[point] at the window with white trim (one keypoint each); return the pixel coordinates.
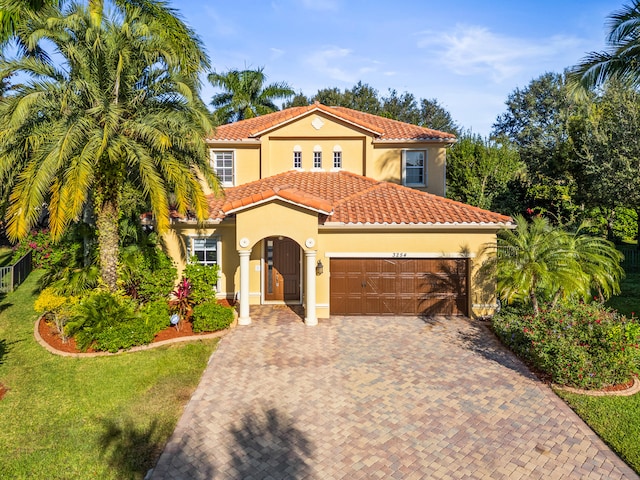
(337, 157)
(414, 172)
(222, 163)
(297, 157)
(317, 159)
(205, 249)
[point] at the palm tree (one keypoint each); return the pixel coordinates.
(118, 109)
(168, 24)
(539, 262)
(622, 60)
(244, 95)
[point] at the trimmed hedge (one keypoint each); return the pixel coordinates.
(211, 317)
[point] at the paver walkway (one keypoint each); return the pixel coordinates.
(360, 397)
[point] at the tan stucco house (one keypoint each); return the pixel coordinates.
(342, 212)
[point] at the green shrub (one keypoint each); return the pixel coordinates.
(203, 280)
(156, 315)
(40, 244)
(582, 345)
(211, 316)
(56, 308)
(146, 273)
(124, 335)
(97, 313)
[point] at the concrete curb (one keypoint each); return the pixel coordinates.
(192, 338)
(632, 390)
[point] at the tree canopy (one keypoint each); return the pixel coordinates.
(245, 95)
(117, 109)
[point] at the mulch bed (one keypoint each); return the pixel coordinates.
(50, 335)
(3, 390)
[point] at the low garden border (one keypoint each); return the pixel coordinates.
(191, 338)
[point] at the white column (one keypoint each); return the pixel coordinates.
(310, 307)
(244, 318)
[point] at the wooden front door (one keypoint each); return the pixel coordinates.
(281, 270)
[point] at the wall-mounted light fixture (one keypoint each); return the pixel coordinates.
(319, 268)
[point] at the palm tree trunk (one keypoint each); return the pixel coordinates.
(534, 302)
(108, 240)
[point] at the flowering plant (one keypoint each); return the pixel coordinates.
(577, 344)
(181, 302)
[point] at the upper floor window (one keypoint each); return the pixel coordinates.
(413, 167)
(317, 157)
(297, 157)
(222, 162)
(337, 157)
(205, 249)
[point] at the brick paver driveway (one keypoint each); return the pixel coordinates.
(361, 397)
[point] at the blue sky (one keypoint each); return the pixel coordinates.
(469, 55)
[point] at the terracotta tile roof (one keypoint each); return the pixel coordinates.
(384, 129)
(352, 199)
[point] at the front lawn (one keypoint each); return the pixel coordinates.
(103, 417)
(615, 419)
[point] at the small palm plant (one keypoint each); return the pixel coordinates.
(539, 262)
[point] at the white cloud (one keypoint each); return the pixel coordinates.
(474, 50)
(276, 53)
(338, 63)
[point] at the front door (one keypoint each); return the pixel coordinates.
(281, 270)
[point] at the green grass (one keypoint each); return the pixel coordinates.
(103, 417)
(628, 302)
(5, 256)
(615, 419)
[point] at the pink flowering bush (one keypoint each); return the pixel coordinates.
(581, 345)
(42, 248)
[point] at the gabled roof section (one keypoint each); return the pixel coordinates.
(383, 129)
(349, 199)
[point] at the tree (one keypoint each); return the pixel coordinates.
(537, 261)
(607, 151)
(433, 115)
(244, 95)
(622, 59)
(537, 121)
(480, 170)
(118, 109)
(167, 24)
(402, 107)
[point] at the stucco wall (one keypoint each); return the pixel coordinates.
(273, 154)
(281, 219)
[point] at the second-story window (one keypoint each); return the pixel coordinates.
(414, 168)
(297, 157)
(222, 163)
(337, 159)
(317, 158)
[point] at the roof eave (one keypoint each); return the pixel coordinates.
(418, 226)
(273, 198)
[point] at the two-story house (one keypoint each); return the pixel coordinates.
(342, 212)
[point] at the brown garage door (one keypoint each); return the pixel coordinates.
(384, 286)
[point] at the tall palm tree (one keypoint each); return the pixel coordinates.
(118, 109)
(245, 95)
(622, 59)
(537, 261)
(185, 43)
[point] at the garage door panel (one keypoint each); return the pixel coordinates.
(398, 286)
